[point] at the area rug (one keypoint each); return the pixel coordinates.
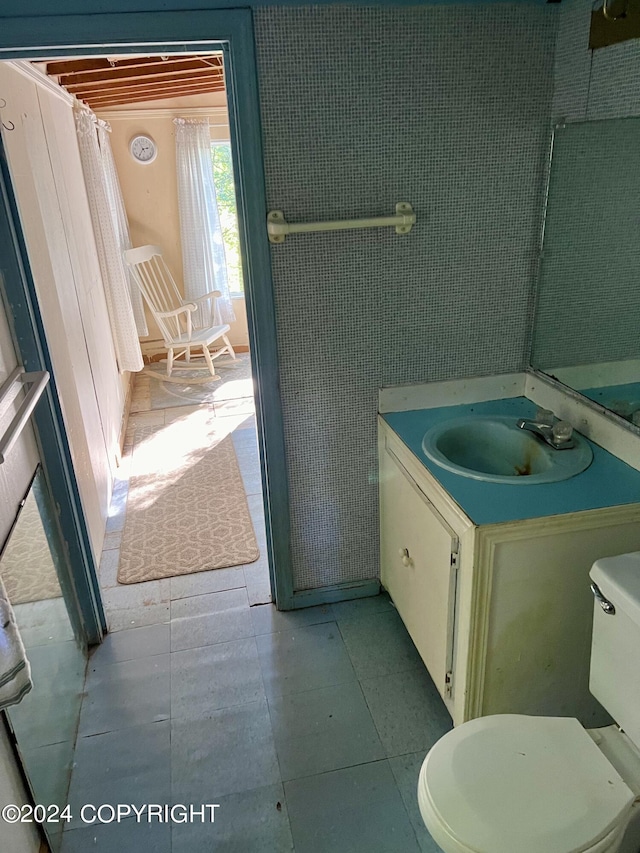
(186, 508)
(27, 567)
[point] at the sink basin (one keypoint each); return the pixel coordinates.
(494, 449)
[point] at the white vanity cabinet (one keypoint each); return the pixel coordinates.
(501, 614)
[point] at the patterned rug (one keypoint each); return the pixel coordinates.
(27, 567)
(186, 508)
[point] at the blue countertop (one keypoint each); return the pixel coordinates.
(606, 482)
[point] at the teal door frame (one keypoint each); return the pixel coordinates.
(166, 32)
(24, 316)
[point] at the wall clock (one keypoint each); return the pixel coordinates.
(143, 149)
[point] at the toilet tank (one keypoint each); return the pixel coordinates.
(615, 645)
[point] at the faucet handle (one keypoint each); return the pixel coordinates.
(562, 432)
(545, 416)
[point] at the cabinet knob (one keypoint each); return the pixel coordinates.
(406, 559)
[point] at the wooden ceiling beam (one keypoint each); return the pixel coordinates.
(71, 66)
(139, 72)
(101, 101)
(150, 79)
(207, 85)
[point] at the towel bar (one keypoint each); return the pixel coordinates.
(17, 379)
(278, 227)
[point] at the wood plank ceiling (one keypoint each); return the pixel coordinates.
(107, 82)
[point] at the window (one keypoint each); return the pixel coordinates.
(225, 192)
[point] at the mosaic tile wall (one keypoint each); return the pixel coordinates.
(594, 85)
(589, 301)
(446, 107)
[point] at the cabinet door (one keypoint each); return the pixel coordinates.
(419, 555)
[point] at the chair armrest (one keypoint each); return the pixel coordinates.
(187, 307)
(214, 293)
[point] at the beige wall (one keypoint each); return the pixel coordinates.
(150, 190)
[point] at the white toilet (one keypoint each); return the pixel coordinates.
(516, 784)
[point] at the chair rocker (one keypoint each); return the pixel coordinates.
(172, 313)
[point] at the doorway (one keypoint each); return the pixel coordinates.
(237, 50)
(188, 495)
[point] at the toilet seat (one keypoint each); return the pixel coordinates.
(510, 782)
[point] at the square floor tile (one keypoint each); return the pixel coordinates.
(230, 751)
(250, 821)
(322, 730)
(217, 617)
(115, 521)
(132, 644)
(119, 496)
(200, 583)
(246, 448)
(109, 562)
(49, 770)
(108, 568)
(49, 713)
(356, 809)
(145, 419)
(128, 766)
(408, 711)
(259, 593)
(238, 406)
(406, 769)
(135, 605)
(303, 659)
(212, 677)
(256, 509)
(378, 644)
(246, 441)
(42, 623)
(129, 835)
(129, 693)
(112, 540)
(202, 413)
(257, 572)
(268, 620)
(347, 611)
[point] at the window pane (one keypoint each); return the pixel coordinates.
(225, 192)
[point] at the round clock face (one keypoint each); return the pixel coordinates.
(143, 149)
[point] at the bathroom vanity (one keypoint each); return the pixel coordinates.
(492, 579)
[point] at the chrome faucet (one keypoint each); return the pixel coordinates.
(556, 433)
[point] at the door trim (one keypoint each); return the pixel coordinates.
(24, 316)
(231, 31)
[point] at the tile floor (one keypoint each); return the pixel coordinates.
(308, 728)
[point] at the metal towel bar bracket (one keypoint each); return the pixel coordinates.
(278, 227)
(17, 380)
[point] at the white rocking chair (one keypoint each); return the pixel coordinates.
(173, 314)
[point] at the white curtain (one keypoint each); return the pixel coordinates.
(121, 224)
(203, 258)
(108, 241)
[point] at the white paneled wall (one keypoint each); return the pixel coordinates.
(47, 179)
(59, 127)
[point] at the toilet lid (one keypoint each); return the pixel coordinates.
(510, 783)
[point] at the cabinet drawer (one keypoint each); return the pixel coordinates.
(419, 555)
